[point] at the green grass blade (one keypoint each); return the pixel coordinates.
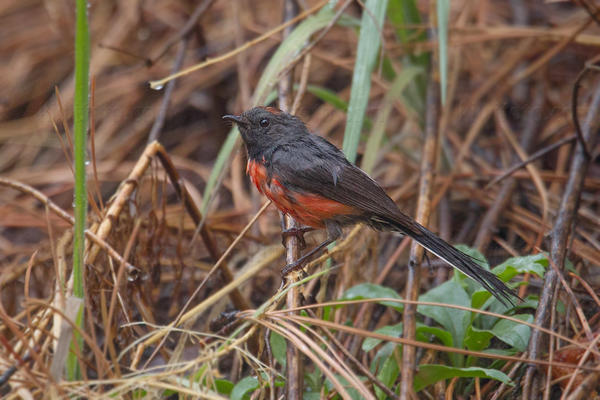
(328, 96)
(220, 163)
(288, 50)
(404, 14)
(285, 53)
(400, 83)
(443, 12)
(80, 127)
(429, 374)
(366, 58)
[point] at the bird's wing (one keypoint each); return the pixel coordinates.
(316, 166)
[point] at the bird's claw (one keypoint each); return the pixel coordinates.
(297, 232)
(295, 266)
(292, 267)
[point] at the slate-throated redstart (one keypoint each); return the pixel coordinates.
(310, 179)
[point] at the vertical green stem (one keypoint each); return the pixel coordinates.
(366, 58)
(80, 127)
(443, 15)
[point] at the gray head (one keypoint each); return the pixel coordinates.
(263, 126)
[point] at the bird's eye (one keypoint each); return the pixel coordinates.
(264, 123)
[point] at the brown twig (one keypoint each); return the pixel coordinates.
(93, 237)
(502, 199)
(294, 386)
(241, 199)
(159, 122)
(538, 154)
(302, 85)
(184, 315)
(494, 102)
(587, 386)
(591, 9)
(582, 360)
(93, 142)
(183, 32)
(434, 346)
(560, 234)
(587, 287)
(238, 300)
(578, 309)
(113, 297)
(364, 370)
(126, 190)
(424, 208)
(160, 82)
(575, 103)
(312, 44)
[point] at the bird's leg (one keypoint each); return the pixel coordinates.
(333, 233)
(299, 263)
(298, 232)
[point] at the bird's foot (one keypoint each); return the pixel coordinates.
(297, 232)
(292, 267)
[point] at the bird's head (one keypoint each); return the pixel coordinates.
(262, 125)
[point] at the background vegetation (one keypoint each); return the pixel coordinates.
(478, 117)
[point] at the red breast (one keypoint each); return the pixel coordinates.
(306, 208)
(258, 173)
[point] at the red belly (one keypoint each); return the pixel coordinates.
(307, 209)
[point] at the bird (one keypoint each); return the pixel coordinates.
(311, 180)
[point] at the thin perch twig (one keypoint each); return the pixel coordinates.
(294, 386)
(424, 207)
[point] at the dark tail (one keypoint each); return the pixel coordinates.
(454, 257)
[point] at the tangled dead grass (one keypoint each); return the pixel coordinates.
(151, 286)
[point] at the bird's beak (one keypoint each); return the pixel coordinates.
(238, 119)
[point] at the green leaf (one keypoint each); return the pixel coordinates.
(313, 380)
(389, 330)
(137, 394)
(443, 15)
(534, 264)
(373, 291)
(477, 339)
(311, 395)
(278, 347)
(223, 386)
(444, 336)
(285, 53)
(244, 386)
(374, 142)
(479, 299)
(354, 394)
(454, 321)
(513, 333)
(429, 374)
(388, 375)
(382, 354)
(531, 302)
(366, 58)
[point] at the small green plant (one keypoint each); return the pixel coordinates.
(457, 328)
